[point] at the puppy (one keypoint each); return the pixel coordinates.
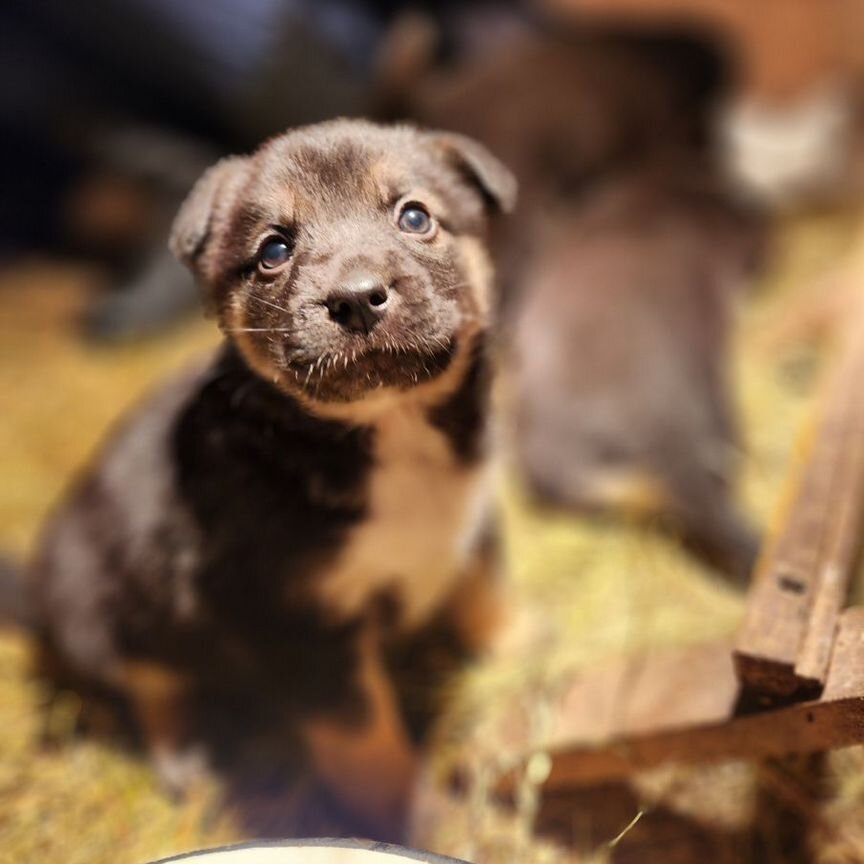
(620, 342)
(281, 534)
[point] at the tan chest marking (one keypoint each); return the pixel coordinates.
(425, 511)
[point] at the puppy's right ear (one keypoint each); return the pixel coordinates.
(486, 172)
(210, 199)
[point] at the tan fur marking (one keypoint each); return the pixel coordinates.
(387, 180)
(477, 606)
(479, 270)
(158, 697)
(424, 513)
(378, 403)
(371, 767)
(235, 322)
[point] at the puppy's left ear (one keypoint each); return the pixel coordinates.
(489, 174)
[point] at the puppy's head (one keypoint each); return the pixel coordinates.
(347, 259)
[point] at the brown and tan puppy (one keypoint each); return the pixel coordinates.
(620, 341)
(277, 542)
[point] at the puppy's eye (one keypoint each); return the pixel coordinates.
(414, 218)
(274, 253)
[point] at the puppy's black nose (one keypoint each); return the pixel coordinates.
(359, 304)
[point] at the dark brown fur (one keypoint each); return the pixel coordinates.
(186, 575)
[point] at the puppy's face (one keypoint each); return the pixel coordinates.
(347, 257)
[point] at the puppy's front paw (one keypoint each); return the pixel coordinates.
(181, 770)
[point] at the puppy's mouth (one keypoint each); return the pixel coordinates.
(348, 373)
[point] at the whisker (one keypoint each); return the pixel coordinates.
(268, 303)
(259, 330)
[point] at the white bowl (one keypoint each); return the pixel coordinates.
(316, 851)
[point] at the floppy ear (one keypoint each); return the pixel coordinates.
(494, 180)
(193, 224)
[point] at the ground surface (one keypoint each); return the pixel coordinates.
(598, 587)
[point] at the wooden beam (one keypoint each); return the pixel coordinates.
(669, 727)
(838, 556)
(801, 582)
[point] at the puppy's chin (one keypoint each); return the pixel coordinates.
(343, 377)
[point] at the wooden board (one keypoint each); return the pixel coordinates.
(801, 583)
(680, 707)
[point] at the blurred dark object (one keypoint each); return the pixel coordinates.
(792, 128)
(761, 34)
(14, 607)
(135, 97)
(120, 212)
(620, 348)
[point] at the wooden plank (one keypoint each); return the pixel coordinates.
(846, 674)
(622, 695)
(663, 733)
(666, 688)
(801, 583)
(840, 552)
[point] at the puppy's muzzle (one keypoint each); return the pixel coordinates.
(360, 303)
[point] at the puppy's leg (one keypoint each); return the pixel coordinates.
(476, 608)
(160, 700)
(369, 763)
(484, 620)
(424, 663)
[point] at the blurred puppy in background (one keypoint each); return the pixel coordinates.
(284, 534)
(618, 271)
(575, 107)
(620, 343)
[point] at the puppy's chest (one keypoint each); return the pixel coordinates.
(424, 513)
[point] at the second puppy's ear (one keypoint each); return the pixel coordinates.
(488, 173)
(211, 197)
